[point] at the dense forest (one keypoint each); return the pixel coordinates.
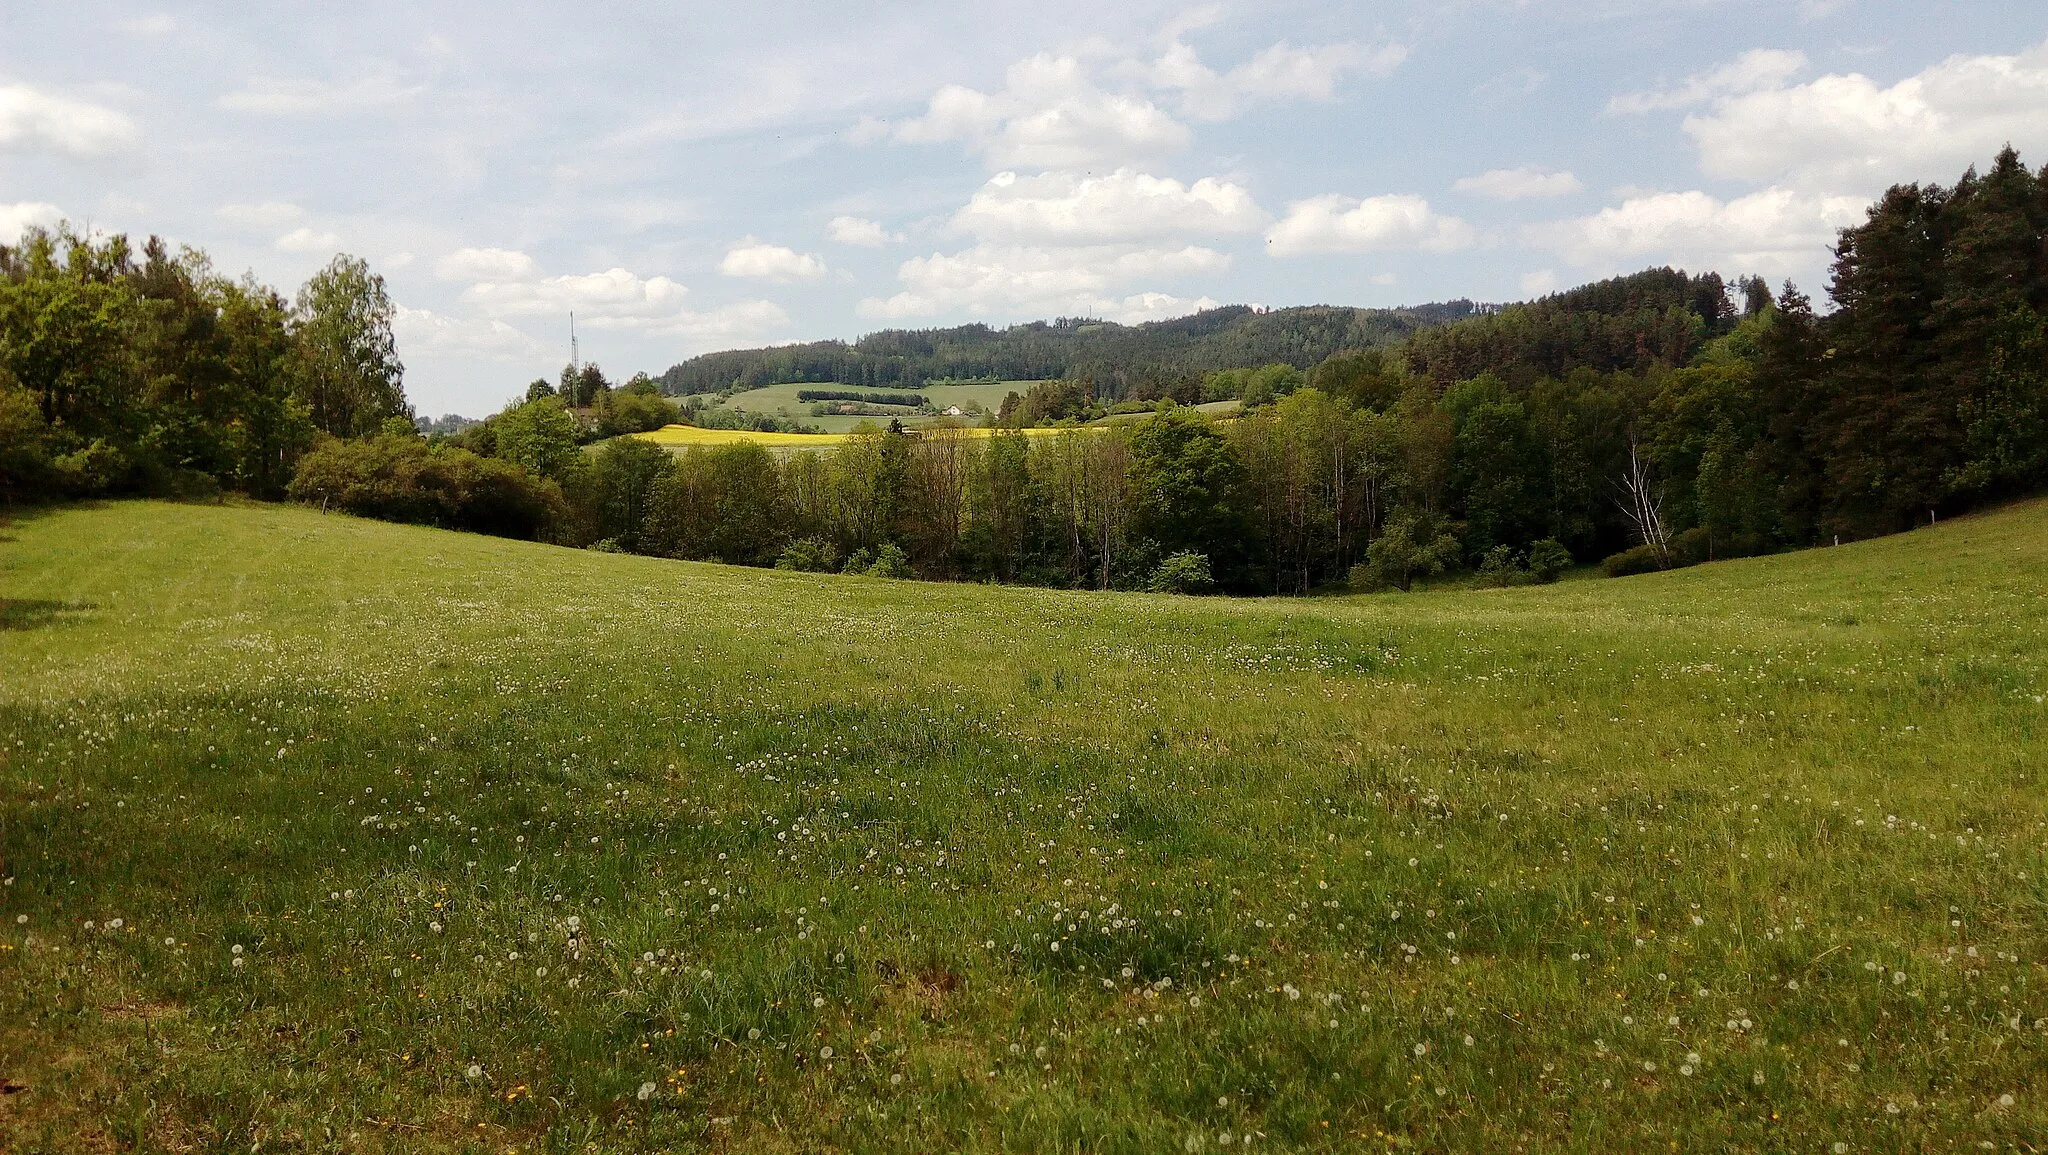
(1120, 357)
(1648, 421)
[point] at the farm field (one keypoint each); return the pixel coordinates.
(319, 834)
(781, 400)
(685, 436)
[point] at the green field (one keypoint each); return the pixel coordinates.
(781, 400)
(321, 834)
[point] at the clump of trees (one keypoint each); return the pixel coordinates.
(150, 372)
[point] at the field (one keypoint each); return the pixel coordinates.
(781, 400)
(320, 834)
(685, 436)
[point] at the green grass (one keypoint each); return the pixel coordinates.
(1745, 857)
(781, 400)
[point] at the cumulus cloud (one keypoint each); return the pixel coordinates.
(1124, 205)
(1059, 111)
(308, 240)
(765, 262)
(1539, 283)
(1525, 183)
(1050, 114)
(1759, 68)
(1281, 72)
(16, 219)
(507, 283)
(261, 217)
(433, 334)
(1009, 280)
(1778, 230)
(1848, 133)
(35, 121)
(861, 232)
(1339, 224)
(486, 265)
(614, 298)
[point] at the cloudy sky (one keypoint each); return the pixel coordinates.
(689, 177)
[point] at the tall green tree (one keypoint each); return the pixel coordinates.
(350, 378)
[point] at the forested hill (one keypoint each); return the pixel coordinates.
(1120, 356)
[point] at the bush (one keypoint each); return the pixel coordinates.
(809, 555)
(1548, 559)
(1186, 572)
(858, 561)
(1641, 559)
(1412, 545)
(399, 477)
(890, 562)
(1692, 547)
(1502, 566)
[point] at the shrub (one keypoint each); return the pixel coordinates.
(1641, 559)
(1502, 566)
(399, 477)
(1548, 559)
(809, 555)
(1412, 545)
(1186, 572)
(1692, 547)
(890, 562)
(858, 561)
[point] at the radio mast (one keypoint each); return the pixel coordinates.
(575, 356)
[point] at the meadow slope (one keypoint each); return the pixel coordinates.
(323, 834)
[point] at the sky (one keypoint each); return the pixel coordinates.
(687, 177)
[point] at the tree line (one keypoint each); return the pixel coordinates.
(125, 371)
(1122, 358)
(1643, 422)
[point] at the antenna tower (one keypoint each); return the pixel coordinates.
(575, 355)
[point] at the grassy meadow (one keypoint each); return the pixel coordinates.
(679, 437)
(782, 400)
(319, 834)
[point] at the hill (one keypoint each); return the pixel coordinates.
(322, 833)
(1119, 356)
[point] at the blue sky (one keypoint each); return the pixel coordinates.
(695, 177)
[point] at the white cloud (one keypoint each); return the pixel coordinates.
(1525, 183)
(765, 262)
(260, 217)
(294, 96)
(486, 265)
(1846, 133)
(16, 219)
(615, 298)
(1125, 205)
(31, 120)
(1050, 114)
(1778, 230)
(861, 232)
(1757, 69)
(1339, 224)
(1054, 112)
(160, 24)
(510, 284)
(421, 331)
(742, 321)
(1281, 72)
(1011, 280)
(308, 240)
(1540, 283)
